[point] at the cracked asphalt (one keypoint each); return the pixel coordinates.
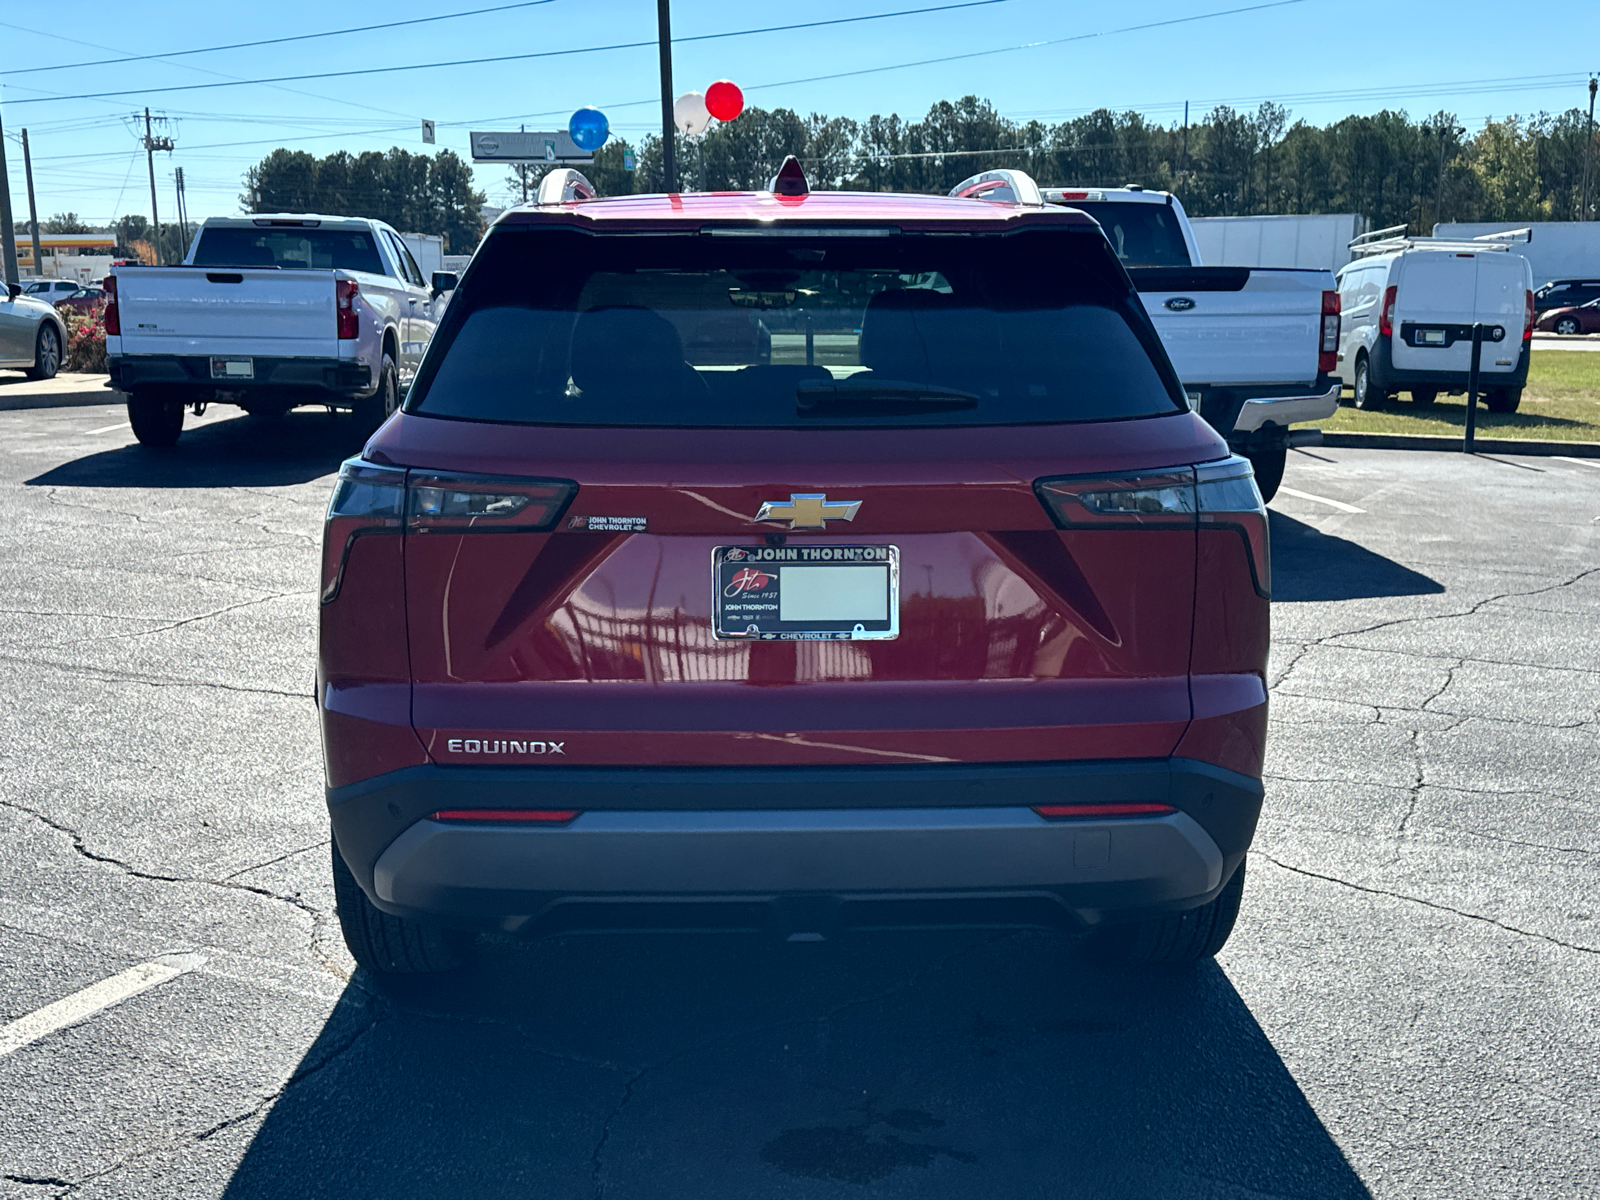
(1407, 1008)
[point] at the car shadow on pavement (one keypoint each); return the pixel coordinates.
(241, 451)
(919, 1065)
(1308, 564)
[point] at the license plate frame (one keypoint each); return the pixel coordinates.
(233, 368)
(1431, 337)
(748, 601)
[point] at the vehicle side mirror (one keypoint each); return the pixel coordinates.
(445, 281)
(13, 290)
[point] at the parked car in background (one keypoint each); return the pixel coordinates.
(1253, 345)
(1565, 293)
(961, 617)
(83, 300)
(33, 336)
(1584, 318)
(1409, 306)
(50, 290)
(270, 312)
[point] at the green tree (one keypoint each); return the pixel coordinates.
(66, 222)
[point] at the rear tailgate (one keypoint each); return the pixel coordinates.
(1237, 326)
(198, 310)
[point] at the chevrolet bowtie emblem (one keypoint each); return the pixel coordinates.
(809, 511)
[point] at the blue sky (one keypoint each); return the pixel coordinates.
(1321, 58)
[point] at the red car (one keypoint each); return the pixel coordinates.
(1583, 318)
(940, 605)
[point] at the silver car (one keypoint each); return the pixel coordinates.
(33, 337)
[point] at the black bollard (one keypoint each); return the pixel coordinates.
(1472, 387)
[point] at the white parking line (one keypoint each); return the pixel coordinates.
(94, 998)
(1339, 504)
(109, 428)
(1582, 462)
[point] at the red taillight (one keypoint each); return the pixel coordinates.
(1386, 313)
(1056, 812)
(1074, 195)
(1527, 324)
(111, 317)
(370, 499)
(474, 502)
(349, 319)
(1220, 495)
(526, 816)
(367, 499)
(1328, 353)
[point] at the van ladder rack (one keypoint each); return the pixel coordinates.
(1387, 241)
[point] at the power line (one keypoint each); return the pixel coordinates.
(541, 54)
(299, 37)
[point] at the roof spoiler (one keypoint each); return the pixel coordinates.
(564, 186)
(1017, 187)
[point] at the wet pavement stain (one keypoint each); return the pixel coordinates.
(853, 1154)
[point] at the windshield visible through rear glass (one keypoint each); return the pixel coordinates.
(290, 248)
(1142, 234)
(556, 327)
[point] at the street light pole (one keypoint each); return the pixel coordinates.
(33, 209)
(1588, 148)
(8, 232)
(669, 157)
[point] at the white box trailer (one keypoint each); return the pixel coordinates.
(1557, 249)
(427, 249)
(1316, 242)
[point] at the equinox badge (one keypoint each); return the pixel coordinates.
(808, 511)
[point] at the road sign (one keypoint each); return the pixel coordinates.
(427, 132)
(515, 146)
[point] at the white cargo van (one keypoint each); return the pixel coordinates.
(1408, 307)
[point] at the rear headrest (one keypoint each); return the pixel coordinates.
(893, 338)
(625, 347)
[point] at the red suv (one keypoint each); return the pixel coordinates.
(795, 561)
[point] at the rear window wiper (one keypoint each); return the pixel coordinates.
(870, 397)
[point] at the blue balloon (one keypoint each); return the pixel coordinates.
(589, 128)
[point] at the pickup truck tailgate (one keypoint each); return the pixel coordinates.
(198, 310)
(1237, 326)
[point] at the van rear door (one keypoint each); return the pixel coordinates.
(1441, 293)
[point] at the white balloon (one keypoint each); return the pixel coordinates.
(690, 115)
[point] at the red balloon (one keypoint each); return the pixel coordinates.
(724, 100)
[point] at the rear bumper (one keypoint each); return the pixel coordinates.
(1387, 377)
(189, 375)
(938, 844)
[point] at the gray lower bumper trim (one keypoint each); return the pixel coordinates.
(471, 870)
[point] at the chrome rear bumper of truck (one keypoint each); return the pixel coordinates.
(1286, 410)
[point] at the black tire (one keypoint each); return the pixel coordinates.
(1502, 400)
(1367, 397)
(1177, 938)
(156, 421)
(1422, 397)
(369, 412)
(1268, 465)
(46, 352)
(1568, 326)
(384, 944)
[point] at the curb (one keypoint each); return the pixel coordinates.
(1447, 444)
(86, 399)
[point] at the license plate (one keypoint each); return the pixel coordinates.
(806, 593)
(233, 368)
(1430, 337)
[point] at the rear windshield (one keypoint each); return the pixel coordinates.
(1142, 234)
(717, 329)
(290, 248)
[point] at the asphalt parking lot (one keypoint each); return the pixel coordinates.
(1407, 1008)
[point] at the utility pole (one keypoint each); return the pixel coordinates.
(1588, 148)
(151, 145)
(669, 157)
(183, 216)
(8, 232)
(33, 209)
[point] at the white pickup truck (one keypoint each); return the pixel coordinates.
(269, 312)
(1256, 347)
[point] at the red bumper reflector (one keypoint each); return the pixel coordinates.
(521, 816)
(1055, 811)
